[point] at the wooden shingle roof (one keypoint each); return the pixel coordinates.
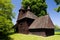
(28, 14)
(42, 22)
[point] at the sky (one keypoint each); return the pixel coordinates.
(55, 16)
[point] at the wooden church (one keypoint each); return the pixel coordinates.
(28, 23)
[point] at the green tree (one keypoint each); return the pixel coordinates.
(38, 7)
(6, 16)
(58, 3)
(57, 27)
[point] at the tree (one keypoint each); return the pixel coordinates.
(58, 3)
(38, 7)
(6, 16)
(57, 27)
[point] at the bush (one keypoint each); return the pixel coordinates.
(3, 36)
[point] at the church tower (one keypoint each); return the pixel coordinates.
(25, 19)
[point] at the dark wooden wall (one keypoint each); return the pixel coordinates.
(42, 32)
(23, 25)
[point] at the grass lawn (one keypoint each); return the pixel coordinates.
(57, 33)
(34, 37)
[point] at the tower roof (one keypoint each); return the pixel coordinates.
(22, 8)
(28, 14)
(42, 22)
(28, 9)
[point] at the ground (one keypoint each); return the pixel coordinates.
(34, 37)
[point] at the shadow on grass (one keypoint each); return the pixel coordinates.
(5, 37)
(57, 34)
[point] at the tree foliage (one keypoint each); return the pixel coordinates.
(58, 3)
(6, 16)
(38, 7)
(57, 27)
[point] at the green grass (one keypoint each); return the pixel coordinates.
(33, 37)
(57, 33)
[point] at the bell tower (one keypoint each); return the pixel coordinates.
(25, 18)
(21, 12)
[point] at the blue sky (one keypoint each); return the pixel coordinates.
(55, 17)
